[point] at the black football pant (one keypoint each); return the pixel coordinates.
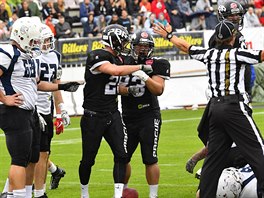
(230, 121)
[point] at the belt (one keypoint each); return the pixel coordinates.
(94, 113)
(229, 98)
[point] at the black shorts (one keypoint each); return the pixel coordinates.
(145, 131)
(47, 135)
(95, 126)
(17, 125)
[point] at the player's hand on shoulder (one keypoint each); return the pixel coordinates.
(141, 74)
(146, 68)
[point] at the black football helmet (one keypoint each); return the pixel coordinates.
(231, 8)
(116, 37)
(142, 45)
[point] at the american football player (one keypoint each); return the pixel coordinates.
(140, 107)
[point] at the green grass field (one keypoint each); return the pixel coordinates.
(178, 141)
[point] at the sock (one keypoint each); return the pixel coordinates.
(153, 191)
(10, 195)
(21, 193)
(52, 168)
(38, 193)
(44, 187)
(6, 186)
(118, 190)
(28, 191)
(84, 191)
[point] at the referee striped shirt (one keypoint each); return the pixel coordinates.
(226, 67)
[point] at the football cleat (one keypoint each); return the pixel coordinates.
(3, 195)
(56, 177)
(198, 174)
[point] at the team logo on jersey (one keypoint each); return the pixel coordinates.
(149, 62)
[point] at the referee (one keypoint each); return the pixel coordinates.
(230, 119)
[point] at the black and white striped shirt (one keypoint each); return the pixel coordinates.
(226, 67)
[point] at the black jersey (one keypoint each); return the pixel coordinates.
(146, 101)
(100, 91)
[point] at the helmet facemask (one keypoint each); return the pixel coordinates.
(47, 45)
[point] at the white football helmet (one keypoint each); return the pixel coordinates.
(47, 39)
(26, 32)
(230, 183)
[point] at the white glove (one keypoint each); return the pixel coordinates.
(146, 68)
(42, 123)
(64, 115)
(141, 74)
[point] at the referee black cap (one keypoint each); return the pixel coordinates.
(225, 29)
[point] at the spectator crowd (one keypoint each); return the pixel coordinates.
(95, 15)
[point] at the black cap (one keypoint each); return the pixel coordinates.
(225, 29)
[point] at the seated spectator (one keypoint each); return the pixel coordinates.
(24, 10)
(185, 9)
(63, 29)
(7, 7)
(101, 24)
(91, 28)
(125, 21)
(251, 19)
(4, 33)
(116, 7)
(3, 13)
(48, 22)
(15, 5)
(162, 20)
(138, 17)
(202, 4)
(157, 7)
(34, 8)
(150, 22)
(211, 20)
(12, 21)
(49, 10)
(176, 18)
(261, 18)
(198, 23)
(114, 19)
(145, 7)
(86, 8)
(102, 9)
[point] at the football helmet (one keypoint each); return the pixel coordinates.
(47, 39)
(230, 183)
(26, 32)
(116, 37)
(233, 11)
(142, 45)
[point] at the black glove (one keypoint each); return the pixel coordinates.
(70, 86)
(190, 165)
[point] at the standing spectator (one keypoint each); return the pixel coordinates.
(230, 117)
(125, 21)
(176, 18)
(101, 117)
(24, 10)
(91, 27)
(3, 13)
(143, 124)
(63, 29)
(251, 19)
(86, 7)
(34, 9)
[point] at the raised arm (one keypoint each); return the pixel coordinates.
(166, 32)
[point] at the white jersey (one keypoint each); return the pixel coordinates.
(50, 70)
(20, 72)
(249, 185)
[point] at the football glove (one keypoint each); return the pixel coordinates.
(42, 123)
(190, 165)
(141, 74)
(146, 68)
(69, 86)
(58, 124)
(64, 115)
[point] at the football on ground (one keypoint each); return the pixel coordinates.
(130, 193)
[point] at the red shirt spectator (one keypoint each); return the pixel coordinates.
(157, 7)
